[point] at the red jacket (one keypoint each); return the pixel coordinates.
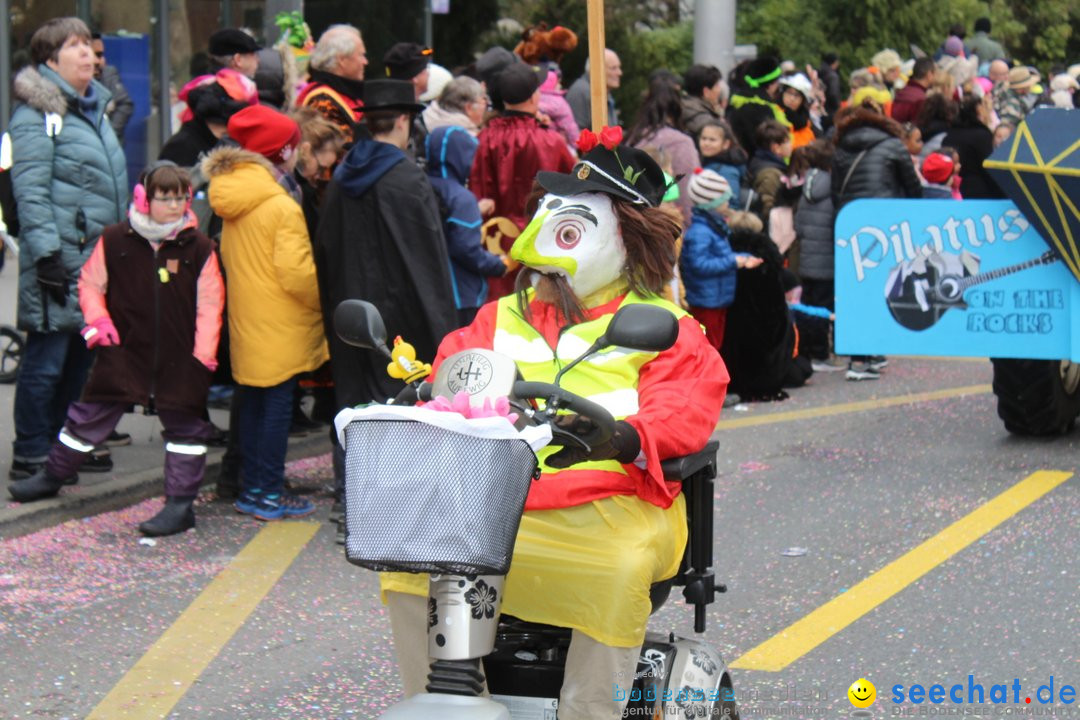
(680, 393)
(908, 102)
(513, 148)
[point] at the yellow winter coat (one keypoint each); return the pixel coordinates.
(275, 321)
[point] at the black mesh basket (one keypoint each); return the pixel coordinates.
(420, 498)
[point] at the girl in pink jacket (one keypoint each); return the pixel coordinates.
(151, 294)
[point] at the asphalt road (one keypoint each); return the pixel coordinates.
(857, 474)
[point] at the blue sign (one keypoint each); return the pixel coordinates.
(944, 277)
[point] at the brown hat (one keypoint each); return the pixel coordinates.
(1021, 77)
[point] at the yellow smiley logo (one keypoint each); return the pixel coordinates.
(862, 693)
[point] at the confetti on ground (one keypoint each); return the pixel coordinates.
(102, 558)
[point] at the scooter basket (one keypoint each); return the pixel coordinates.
(424, 499)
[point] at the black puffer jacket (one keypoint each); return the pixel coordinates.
(885, 171)
(814, 227)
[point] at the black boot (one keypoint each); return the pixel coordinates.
(39, 485)
(176, 517)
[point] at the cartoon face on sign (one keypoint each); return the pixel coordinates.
(576, 237)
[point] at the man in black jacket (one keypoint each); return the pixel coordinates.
(380, 239)
(829, 73)
(121, 107)
(755, 101)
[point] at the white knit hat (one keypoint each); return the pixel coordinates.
(707, 187)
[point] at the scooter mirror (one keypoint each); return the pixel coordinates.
(359, 324)
(641, 327)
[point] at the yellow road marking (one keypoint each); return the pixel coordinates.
(161, 677)
(805, 634)
(850, 407)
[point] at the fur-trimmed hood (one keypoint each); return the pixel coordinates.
(240, 181)
(46, 92)
(226, 159)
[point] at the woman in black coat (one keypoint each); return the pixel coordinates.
(871, 160)
(973, 141)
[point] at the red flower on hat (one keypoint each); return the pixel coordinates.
(610, 136)
(587, 141)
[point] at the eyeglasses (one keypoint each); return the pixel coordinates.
(170, 200)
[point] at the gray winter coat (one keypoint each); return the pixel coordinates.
(814, 218)
(70, 182)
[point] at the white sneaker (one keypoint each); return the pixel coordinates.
(862, 371)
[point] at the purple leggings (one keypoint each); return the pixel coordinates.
(89, 423)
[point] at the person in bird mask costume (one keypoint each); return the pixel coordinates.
(599, 527)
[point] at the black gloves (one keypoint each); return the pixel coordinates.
(52, 278)
(624, 445)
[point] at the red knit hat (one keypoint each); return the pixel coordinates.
(937, 168)
(265, 131)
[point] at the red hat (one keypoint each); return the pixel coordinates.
(266, 131)
(937, 168)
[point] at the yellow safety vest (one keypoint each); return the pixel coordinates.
(608, 378)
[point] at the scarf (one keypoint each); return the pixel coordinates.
(289, 184)
(88, 103)
(436, 116)
(155, 232)
(352, 89)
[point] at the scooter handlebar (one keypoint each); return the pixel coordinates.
(559, 399)
(412, 393)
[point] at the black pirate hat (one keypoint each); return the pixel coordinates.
(622, 171)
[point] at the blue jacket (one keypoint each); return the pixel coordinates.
(707, 264)
(730, 165)
(69, 185)
(450, 150)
